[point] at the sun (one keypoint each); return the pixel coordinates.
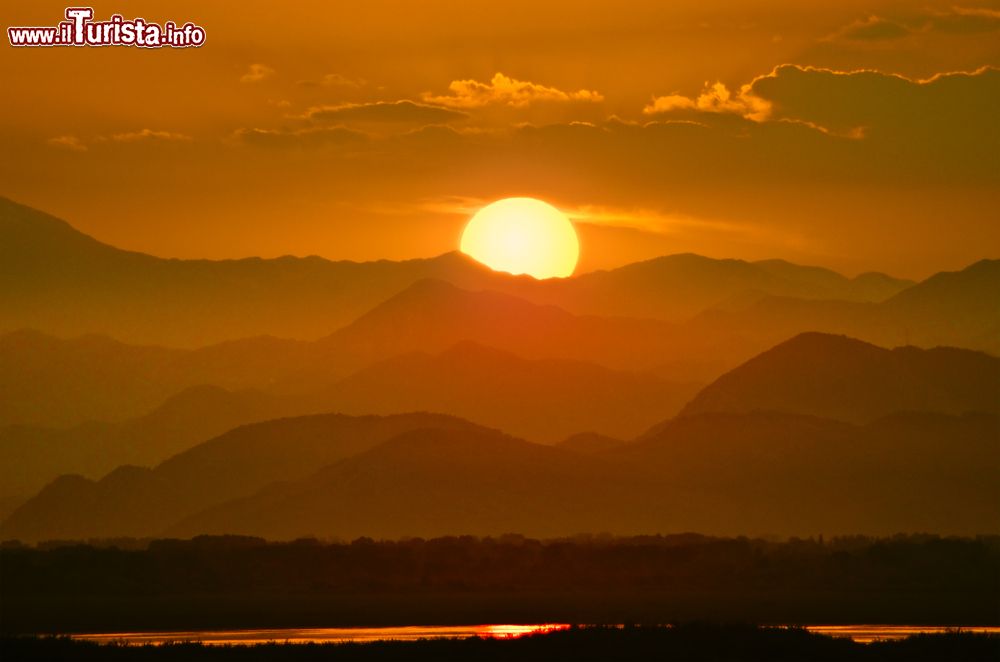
(523, 236)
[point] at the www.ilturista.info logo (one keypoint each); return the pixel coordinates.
(79, 29)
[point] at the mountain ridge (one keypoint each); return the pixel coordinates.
(848, 379)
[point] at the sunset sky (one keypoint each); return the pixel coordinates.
(859, 135)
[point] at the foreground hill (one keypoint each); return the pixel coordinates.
(430, 482)
(723, 473)
(135, 501)
(842, 378)
(64, 282)
(778, 472)
(425, 475)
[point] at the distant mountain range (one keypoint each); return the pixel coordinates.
(838, 377)
(830, 405)
(66, 283)
(53, 382)
(732, 459)
(542, 400)
(139, 501)
(959, 309)
(420, 475)
(30, 456)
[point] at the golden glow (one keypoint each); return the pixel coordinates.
(523, 236)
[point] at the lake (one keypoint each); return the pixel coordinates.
(859, 633)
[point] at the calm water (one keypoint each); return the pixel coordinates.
(860, 633)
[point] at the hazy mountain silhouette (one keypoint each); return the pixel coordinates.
(775, 473)
(541, 400)
(424, 475)
(30, 457)
(55, 382)
(957, 309)
(50, 381)
(67, 283)
(676, 287)
(778, 472)
(544, 400)
(433, 315)
(843, 378)
(135, 501)
(428, 482)
(590, 442)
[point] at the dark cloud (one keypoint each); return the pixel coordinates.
(956, 20)
(961, 20)
(873, 28)
(947, 108)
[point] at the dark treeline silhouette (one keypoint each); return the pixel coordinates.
(248, 582)
(695, 641)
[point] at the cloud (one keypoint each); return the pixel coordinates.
(301, 138)
(873, 28)
(965, 20)
(947, 113)
(715, 98)
(389, 112)
(503, 90)
(79, 145)
(71, 143)
(256, 73)
(956, 20)
(149, 134)
(945, 108)
(334, 80)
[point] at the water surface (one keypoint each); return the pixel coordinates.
(859, 633)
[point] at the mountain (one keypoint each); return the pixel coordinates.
(589, 442)
(30, 457)
(66, 283)
(135, 501)
(957, 309)
(54, 382)
(789, 473)
(427, 483)
(544, 400)
(541, 400)
(677, 287)
(755, 473)
(433, 315)
(722, 473)
(842, 378)
(50, 381)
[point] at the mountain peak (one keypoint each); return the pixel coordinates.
(839, 377)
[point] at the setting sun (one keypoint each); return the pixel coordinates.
(523, 236)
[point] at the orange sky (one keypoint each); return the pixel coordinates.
(308, 128)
